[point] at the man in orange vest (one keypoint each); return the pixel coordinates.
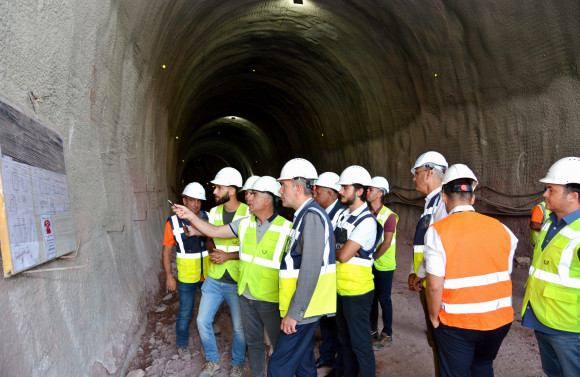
(468, 258)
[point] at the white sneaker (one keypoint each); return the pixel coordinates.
(210, 369)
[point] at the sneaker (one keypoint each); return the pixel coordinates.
(375, 335)
(383, 341)
(210, 369)
(236, 371)
(184, 353)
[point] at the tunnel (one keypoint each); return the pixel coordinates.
(151, 95)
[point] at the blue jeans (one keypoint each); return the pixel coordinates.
(383, 285)
(186, 301)
(213, 294)
(560, 354)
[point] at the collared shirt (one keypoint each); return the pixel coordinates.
(434, 252)
(390, 224)
(530, 320)
(330, 207)
(261, 229)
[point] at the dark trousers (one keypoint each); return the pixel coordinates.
(464, 352)
(294, 353)
(353, 321)
(383, 286)
(430, 333)
(329, 350)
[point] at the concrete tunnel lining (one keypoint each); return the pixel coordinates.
(504, 101)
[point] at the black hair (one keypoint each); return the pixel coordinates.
(363, 196)
(459, 189)
(572, 187)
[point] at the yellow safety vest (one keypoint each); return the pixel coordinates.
(229, 245)
(260, 262)
(323, 299)
(191, 256)
(535, 234)
(553, 286)
(355, 277)
(387, 261)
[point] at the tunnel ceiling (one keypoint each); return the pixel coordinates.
(332, 75)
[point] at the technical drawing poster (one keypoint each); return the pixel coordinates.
(35, 220)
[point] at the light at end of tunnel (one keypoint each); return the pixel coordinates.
(435, 75)
(163, 66)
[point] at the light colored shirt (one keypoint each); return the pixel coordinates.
(434, 253)
(365, 233)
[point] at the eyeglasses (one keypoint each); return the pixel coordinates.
(417, 171)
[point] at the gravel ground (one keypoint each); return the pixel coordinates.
(409, 354)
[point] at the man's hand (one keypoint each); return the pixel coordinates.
(182, 212)
(170, 283)
(190, 232)
(218, 256)
(288, 325)
(411, 280)
(418, 283)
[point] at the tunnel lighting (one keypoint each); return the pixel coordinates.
(163, 66)
(322, 135)
(253, 70)
(182, 160)
(176, 137)
(435, 75)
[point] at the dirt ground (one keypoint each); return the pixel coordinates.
(409, 354)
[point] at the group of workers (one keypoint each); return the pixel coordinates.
(333, 265)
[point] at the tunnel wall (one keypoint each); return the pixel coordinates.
(80, 59)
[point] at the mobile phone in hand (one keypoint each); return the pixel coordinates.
(170, 202)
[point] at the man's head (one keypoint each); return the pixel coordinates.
(264, 195)
(192, 195)
(325, 189)
(378, 189)
(459, 184)
(354, 181)
(562, 181)
(428, 172)
(227, 181)
(247, 188)
(297, 182)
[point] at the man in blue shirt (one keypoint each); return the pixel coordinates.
(552, 301)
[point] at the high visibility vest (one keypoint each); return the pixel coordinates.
(191, 254)
(424, 222)
(553, 287)
(260, 262)
(334, 212)
(387, 261)
(477, 290)
(229, 245)
(355, 277)
(535, 234)
(323, 299)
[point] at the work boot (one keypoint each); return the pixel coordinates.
(210, 369)
(184, 353)
(236, 371)
(383, 341)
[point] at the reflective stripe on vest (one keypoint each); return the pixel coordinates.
(355, 277)
(229, 245)
(387, 261)
(425, 221)
(323, 300)
(477, 287)
(258, 273)
(553, 286)
(535, 234)
(192, 261)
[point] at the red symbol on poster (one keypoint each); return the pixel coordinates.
(47, 226)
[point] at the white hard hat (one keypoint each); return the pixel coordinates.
(194, 190)
(355, 174)
(457, 171)
(564, 171)
(298, 168)
(380, 182)
(328, 179)
(431, 160)
(228, 177)
(250, 182)
(267, 184)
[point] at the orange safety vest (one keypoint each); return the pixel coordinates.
(477, 291)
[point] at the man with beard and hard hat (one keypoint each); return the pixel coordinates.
(262, 238)
(384, 265)
(192, 262)
(469, 258)
(552, 300)
(326, 195)
(357, 234)
(307, 274)
(247, 188)
(428, 173)
(223, 275)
